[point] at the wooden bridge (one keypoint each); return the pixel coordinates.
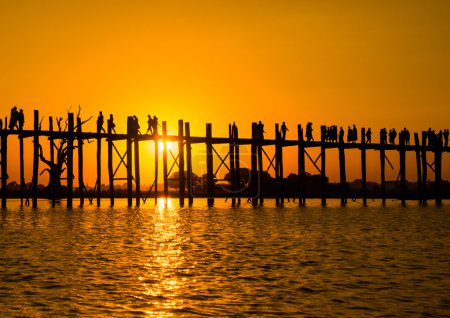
(74, 138)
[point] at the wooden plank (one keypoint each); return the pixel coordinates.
(419, 167)
(189, 164)
(438, 171)
(130, 125)
(110, 163)
(232, 165)
(277, 166)
(166, 181)
(402, 142)
(322, 165)
(301, 167)
(137, 172)
(4, 165)
(237, 164)
(69, 163)
(363, 166)
(156, 140)
(21, 171)
(383, 168)
(424, 169)
(99, 164)
(342, 172)
(35, 178)
(259, 187)
(80, 160)
(209, 165)
(254, 169)
(181, 180)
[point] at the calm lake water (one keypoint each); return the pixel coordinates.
(161, 261)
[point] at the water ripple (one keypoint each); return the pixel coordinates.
(156, 261)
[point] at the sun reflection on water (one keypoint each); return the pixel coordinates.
(163, 283)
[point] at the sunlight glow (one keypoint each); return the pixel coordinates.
(161, 145)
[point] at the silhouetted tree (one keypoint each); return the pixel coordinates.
(56, 168)
(173, 180)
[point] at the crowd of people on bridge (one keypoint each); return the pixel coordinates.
(436, 138)
(17, 120)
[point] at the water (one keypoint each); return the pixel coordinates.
(156, 261)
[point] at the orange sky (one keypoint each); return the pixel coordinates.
(384, 64)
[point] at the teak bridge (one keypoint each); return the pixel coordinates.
(183, 160)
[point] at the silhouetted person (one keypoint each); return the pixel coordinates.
(369, 136)
(349, 134)
(283, 131)
(392, 135)
(100, 121)
(383, 136)
(234, 130)
(355, 134)
(155, 125)
(113, 125)
(446, 137)
(341, 135)
(331, 134)
(20, 119)
(149, 124)
(309, 130)
(13, 118)
(260, 129)
(136, 127)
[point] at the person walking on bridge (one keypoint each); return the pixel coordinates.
(283, 131)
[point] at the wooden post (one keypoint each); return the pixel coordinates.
(301, 167)
(322, 165)
(137, 173)
(51, 139)
(52, 153)
(4, 164)
(34, 180)
(277, 165)
(166, 182)
(438, 171)
(419, 167)
(232, 165)
(156, 140)
(182, 184)
(110, 163)
(280, 165)
(363, 166)
(80, 161)
(70, 128)
(209, 165)
(383, 168)
(99, 164)
(424, 168)
(402, 151)
(254, 169)
(342, 173)
(260, 171)
(189, 164)
(130, 129)
(21, 169)
(237, 164)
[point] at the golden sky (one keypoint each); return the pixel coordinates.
(372, 63)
